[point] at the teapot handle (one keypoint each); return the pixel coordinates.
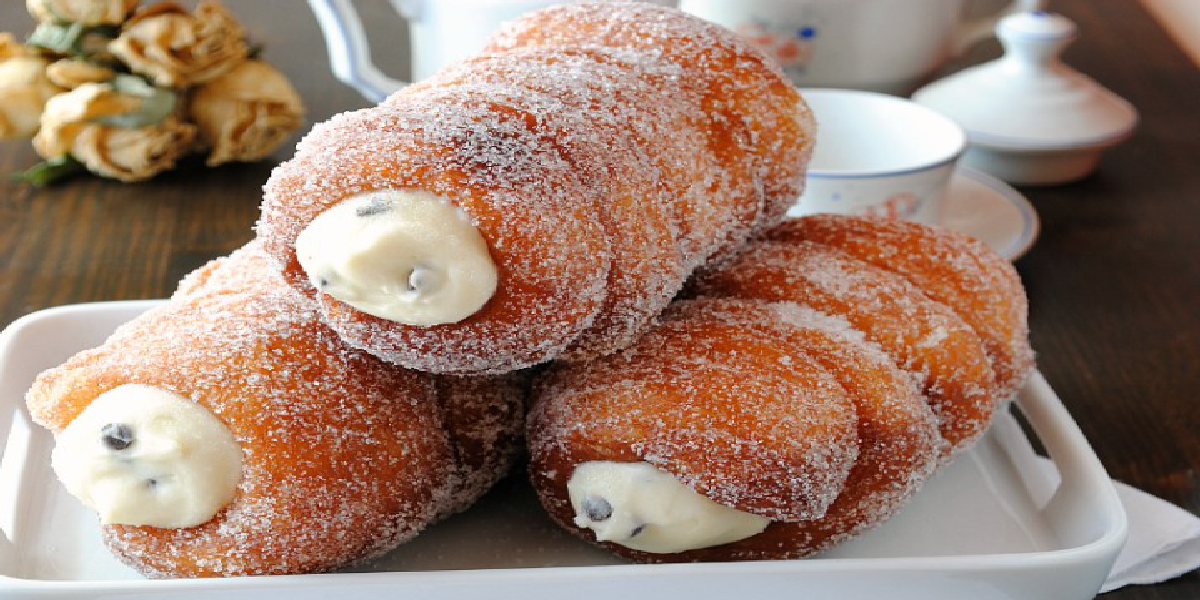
(349, 54)
(971, 32)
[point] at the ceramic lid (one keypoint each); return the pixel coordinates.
(1029, 98)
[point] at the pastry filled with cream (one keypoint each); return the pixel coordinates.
(603, 151)
(342, 456)
(804, 393)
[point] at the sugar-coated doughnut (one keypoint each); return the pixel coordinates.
(924, 337)
(949, 267)
(484, 416)
(342, 456)
(625, 451)
(597, 154)
(784, 438)
(701, 397)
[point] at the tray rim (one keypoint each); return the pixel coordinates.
(1069, 450)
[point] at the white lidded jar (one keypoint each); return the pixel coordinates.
(1029, 117)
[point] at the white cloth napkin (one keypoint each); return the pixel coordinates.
(1164, 541)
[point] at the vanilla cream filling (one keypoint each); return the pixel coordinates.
(643, 508)
(140, 455)
(406, 256)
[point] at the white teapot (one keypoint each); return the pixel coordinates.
(876, 45)
(440, 31)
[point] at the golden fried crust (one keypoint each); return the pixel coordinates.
(899, 442)
(923, 336)
(951, 268)
(344, 456)
(749, 97)
(485, 419)
(247, 270)
(600, 169)
(647, 267)
(639, 130)
(894, 431)
(440, 149)
(716, 406)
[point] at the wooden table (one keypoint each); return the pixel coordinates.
(1114, 280)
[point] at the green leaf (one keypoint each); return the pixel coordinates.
(73, 38)
(63, 38)
(132, 85)
(157, 103)
(50, 171)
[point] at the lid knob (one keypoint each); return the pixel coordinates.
(1035, 40)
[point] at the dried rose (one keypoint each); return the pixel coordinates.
(133, 154)
(24, 88)
(177, 49)
(11, 48)
(84, 12)
(71, 73)
(125, 129)
(246, 113)
(67, 114)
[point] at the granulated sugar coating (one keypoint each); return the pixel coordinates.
(750, 101)
(602, 165)
(344, 456)
(924, 337)
(788, 338)
(792, 412)
(485, 418)
(899, 442)
(716, 406)
(951, 268)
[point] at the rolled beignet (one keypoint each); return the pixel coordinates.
(915, 370)
(594, 174)
(337, 455)
(954, 269)
(784, 438)
(600, 413)
(924, 337)
(483, 416)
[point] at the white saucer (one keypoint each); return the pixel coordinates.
(986, 208)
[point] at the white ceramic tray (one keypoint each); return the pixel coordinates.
(993, 525)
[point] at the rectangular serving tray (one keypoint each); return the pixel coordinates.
(1001, 522)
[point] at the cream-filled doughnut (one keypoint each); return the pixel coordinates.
(273, 446)
(598, 170)
(788, 333)
(698, 368)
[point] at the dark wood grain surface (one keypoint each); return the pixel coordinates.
(1114, 280)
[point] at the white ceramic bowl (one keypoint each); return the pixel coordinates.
(878, 154)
